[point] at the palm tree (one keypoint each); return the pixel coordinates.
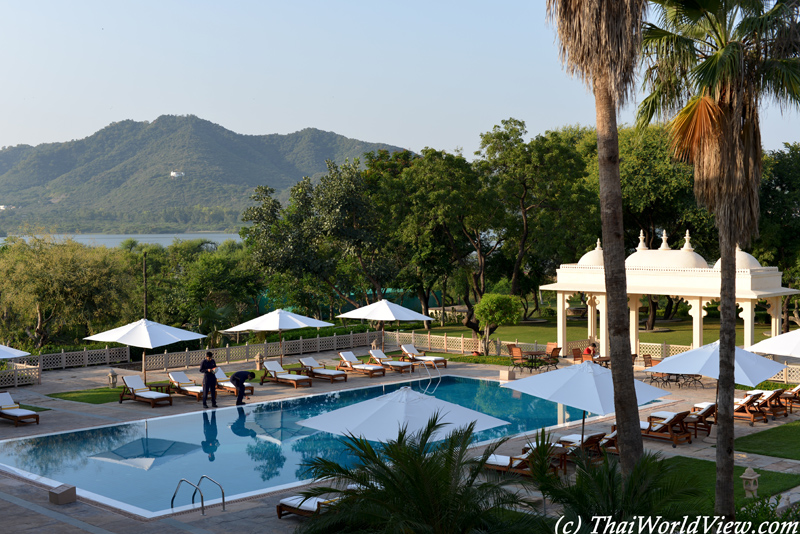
(412, 484)
(709, 63)
(600, 41)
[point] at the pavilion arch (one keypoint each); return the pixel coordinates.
(680, 272)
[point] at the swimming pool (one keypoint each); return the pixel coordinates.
(249, 450)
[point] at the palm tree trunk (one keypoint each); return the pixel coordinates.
(629, 436)
(724, 505)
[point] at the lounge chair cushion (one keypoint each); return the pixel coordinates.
(503, 460)
(575, 439)
(154, 394)
(17, 412)
(430, 358)
(297, 501)
(656, 427)
(328, 372)
(664, 415)
(367, 366)
(293, 377)
(703, 405)
(398, 364)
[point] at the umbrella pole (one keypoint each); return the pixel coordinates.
(383, 335)
(583, 425)
(144, 368)
(280, 337)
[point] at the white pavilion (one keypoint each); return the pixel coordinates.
(663, 271)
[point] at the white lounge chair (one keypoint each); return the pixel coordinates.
(382, 359)
(315, 370)
(11, 410)
(299, 505)
(226, 385)
(181, 384)
(276, 373)
(134, 389)
(411, 354)
(351, 363)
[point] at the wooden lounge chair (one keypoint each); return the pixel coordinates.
(589, 446)
(299, 505)
(11, 410)
(609, 442)
(668, 426)
(519, 465)
(411, 354)
(350, 363)
(133, 388)
(315, 370)
(700, 418)
(226, 385)
(748, 408)
(379, 357)
(276, 373)
(180, 383)
(791, 398)
(770, 402)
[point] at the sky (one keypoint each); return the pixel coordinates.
(413, 74)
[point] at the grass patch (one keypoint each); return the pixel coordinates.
(767, 386)
(705, 472)
(90, 396)
(33, 408)
(781, 441)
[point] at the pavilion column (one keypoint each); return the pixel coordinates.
(697, 312)
(591, 317)
(602, 306)
(633, 306)
(561, 320)
(776, 315)
(748, 314)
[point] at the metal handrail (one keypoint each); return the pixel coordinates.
(215, 482)
(196, 488)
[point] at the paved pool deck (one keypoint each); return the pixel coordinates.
(26, 505)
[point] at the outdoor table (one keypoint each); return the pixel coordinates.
(162, 388)
(605, 361)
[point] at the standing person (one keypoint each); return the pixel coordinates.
(208, 368)
(238, 379)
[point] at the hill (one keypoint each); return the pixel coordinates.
(175, 173)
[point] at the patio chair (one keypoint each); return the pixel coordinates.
(275, 372)
(586, 358)
(669, 426)
(791, 398)
(299, 505)
(133, 388)
(11, 410)
(771, 403)
(655, 378)
(315, 370)
(551, 360)
(350, 363)
(181, 384)
(379, 357)
(700, 418)
(692, 380)
(518, 359)
(634, 358)
(226, 385)
(550, 346)
(747, 408)
(411, 354)
(577, 357)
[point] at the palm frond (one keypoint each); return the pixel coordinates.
(722, 67)
(694, 126)
(781, 80)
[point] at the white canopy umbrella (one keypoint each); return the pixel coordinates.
(278, 321)
(587, 386)
(787, 344)
(381, 418)
(145, 334)
(8, 352)
(749, 369)
(383, 310)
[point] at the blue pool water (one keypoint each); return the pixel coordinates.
(248, 450)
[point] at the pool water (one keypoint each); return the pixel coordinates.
(249, 450)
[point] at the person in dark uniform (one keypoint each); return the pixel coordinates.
(238, 379)
(211, 444)
(238, 427)
(208, 368)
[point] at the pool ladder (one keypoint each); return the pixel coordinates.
(196, 490)
(430, 378)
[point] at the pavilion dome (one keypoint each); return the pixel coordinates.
(664, 257)
(593, 257)
(744, 261)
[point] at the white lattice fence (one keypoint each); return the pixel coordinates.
(580, 344)
(83, 358)
(656, 350)
(19, 374)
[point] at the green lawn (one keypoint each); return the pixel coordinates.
(704, 473)
(33, 408)
(680, 334)
(781, 441)
(91, 396)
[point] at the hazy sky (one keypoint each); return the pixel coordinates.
(411, 73)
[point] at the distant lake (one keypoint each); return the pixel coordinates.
(114, 240)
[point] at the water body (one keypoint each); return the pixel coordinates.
(114, 240)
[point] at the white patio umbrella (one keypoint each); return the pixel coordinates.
(277, 321)
(383, 310)
(146, 453)
(587, 387)
(749, 369)
(381, 418)
(8, 352)
(787, 344)
(145, 334)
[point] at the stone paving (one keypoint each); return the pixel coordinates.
(26, 505)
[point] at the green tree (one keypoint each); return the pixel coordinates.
(494, 311)
(600, 41)
(413, 484)
(709, 63)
